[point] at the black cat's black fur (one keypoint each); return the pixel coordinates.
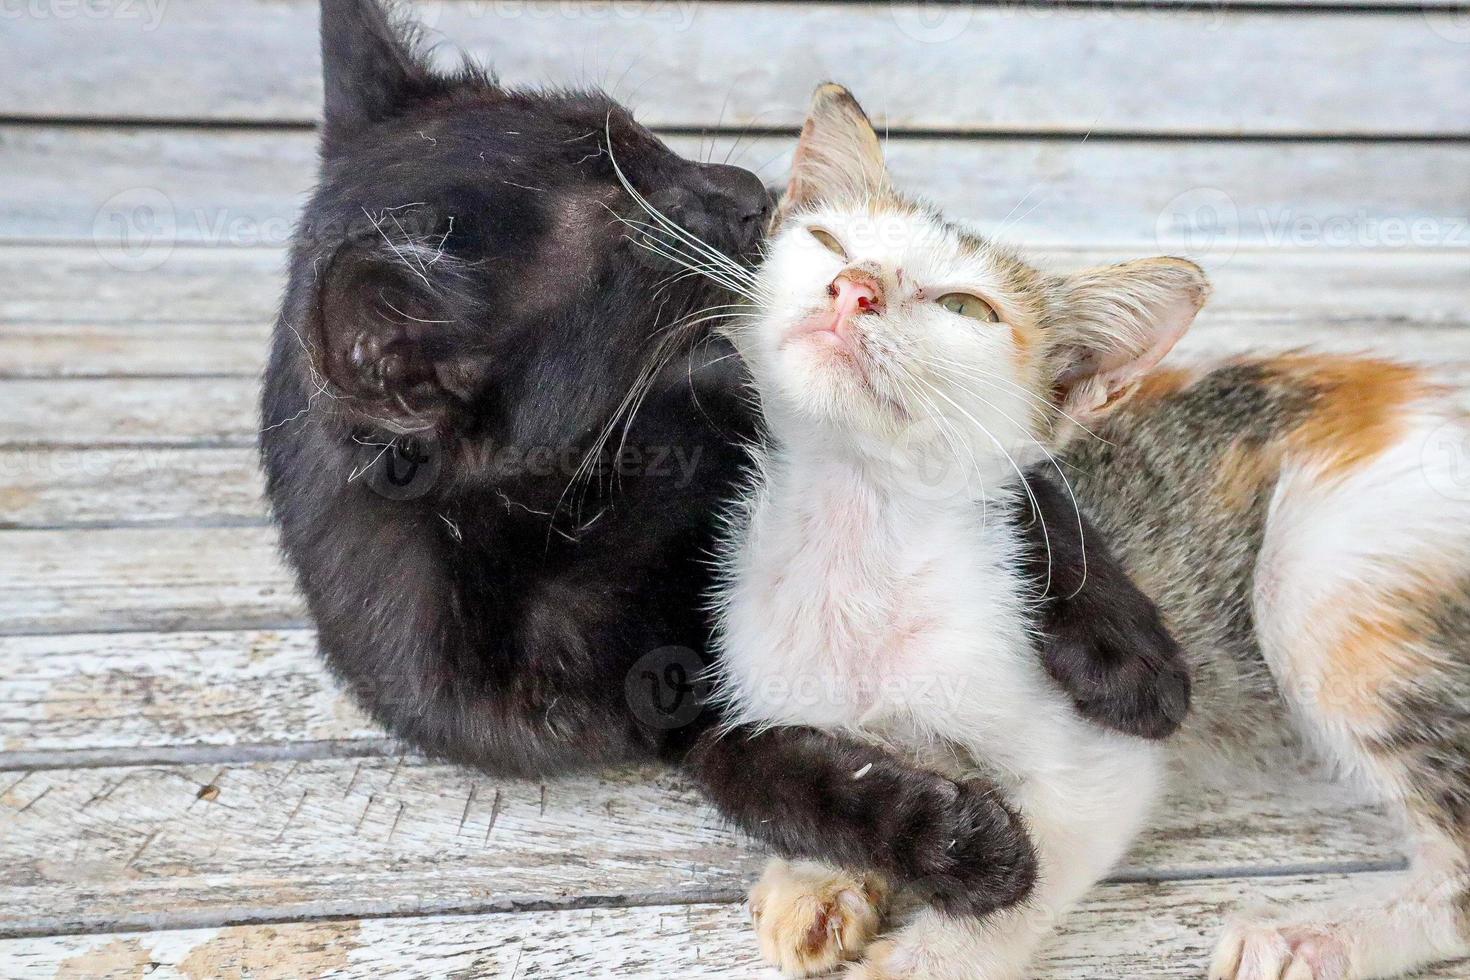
(467, 312)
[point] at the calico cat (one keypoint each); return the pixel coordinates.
(504, 561)
(1283, 511)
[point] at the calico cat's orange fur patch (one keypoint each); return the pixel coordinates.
(1244, 472)
(1158, 384)
(1360, 406)
(1381, 646)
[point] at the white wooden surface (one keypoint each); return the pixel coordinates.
(173, 756)
(1205, 69)
(144, 189)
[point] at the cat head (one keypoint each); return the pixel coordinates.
(469, 264)
(878, 319)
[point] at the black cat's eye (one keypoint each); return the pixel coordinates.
(828, 242)
(969, 305)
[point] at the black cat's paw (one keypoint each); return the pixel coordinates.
(964, 851)
(1122, 667)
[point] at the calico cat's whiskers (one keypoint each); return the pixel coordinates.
(960, 372)
(1020, 473)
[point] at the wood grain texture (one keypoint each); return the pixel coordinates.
(135, 192)
(695, 65)
(76, 285)
(83, 284)
(1134, 931)
(83, 350)
(143, 579)
(161, 351)
(71, 488)
(221, 412)
(169, 846)
(129, 411)
(84, 692)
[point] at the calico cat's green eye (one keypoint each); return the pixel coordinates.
(828, 242)
(968, 305)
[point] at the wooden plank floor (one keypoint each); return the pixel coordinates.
(184, 791)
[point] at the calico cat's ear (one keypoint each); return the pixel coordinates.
(838, 155)
(369, 70)
(391, 344)
(1110, 326)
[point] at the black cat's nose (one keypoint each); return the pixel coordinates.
(744, 201)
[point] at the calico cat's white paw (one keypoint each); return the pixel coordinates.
(1272, 951)
(811, 919)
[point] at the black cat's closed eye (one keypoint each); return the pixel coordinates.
(829, 242)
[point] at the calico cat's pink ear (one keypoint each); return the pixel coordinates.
(838, 156)
(1110, 326)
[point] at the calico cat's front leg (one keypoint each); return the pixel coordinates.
(1082, 821)
(809, 795)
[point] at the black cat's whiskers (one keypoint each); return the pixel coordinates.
(703, 250)
(667, 345)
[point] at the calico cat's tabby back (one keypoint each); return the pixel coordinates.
(1300, 520)
(1323, 493)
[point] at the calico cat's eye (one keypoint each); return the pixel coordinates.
(828, 242)
(966, 304)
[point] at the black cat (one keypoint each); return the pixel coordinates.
(467, 312)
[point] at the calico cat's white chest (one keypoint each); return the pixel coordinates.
(847, 610)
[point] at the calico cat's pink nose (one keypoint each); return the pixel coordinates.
(853, 295)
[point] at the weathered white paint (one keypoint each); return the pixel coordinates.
(241, 286)
(140, 847)
(1008, 67)
(92, 487)
(243, 188)
(1136, 931)
(144, 578)
(62, 350)
(81, 692)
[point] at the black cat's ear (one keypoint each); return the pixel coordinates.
(369, 69)
(392, 341)
(838, 156)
